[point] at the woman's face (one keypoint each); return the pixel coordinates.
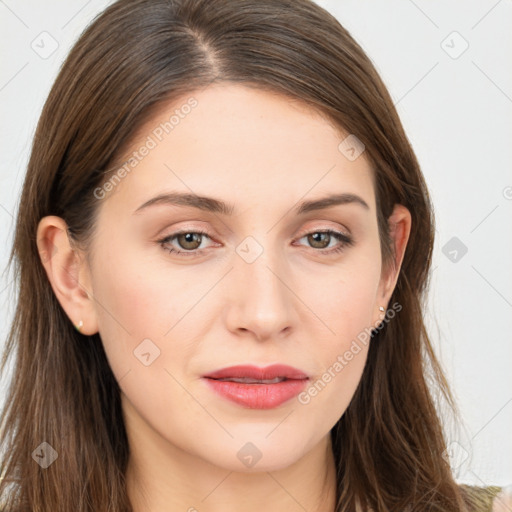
(263, 285)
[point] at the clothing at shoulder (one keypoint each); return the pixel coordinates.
(491, 498)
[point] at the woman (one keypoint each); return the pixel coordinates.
(223, 243)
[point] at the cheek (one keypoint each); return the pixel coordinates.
(344, 297)
(346, 309)
(132, 307)
(340, 357)
(145, 310)
(136, 312)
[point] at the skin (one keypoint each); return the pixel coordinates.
(294, 304)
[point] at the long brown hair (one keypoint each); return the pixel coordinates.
(137, 54)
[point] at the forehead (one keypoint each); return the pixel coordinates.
(235, 141)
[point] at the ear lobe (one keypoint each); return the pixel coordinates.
(67, 272)
(399, 230)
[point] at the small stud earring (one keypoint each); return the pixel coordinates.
(79, 326)
(381, 309)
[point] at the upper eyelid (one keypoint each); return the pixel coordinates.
(345, 231)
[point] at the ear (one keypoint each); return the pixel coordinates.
(68, 272)
(399, 224)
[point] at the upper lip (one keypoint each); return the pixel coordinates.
(253, 372)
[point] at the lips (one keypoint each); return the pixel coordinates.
(257, 388)
(258, 374)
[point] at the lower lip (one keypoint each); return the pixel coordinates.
(258, 396)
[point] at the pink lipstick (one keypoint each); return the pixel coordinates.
(257, 388)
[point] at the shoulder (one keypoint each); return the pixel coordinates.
(490, 498)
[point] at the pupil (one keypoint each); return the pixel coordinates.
(188, 238)
(318, 236)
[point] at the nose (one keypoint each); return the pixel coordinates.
(261, 301)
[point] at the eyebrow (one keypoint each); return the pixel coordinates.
(210, 204)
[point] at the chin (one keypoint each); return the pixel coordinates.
(256, 454)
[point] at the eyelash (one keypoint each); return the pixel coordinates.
(346, 241)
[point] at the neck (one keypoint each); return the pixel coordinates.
(164, 478)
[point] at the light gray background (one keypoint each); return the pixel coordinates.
(456, 108)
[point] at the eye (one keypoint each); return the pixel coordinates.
(321, 240)
(189, 241)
